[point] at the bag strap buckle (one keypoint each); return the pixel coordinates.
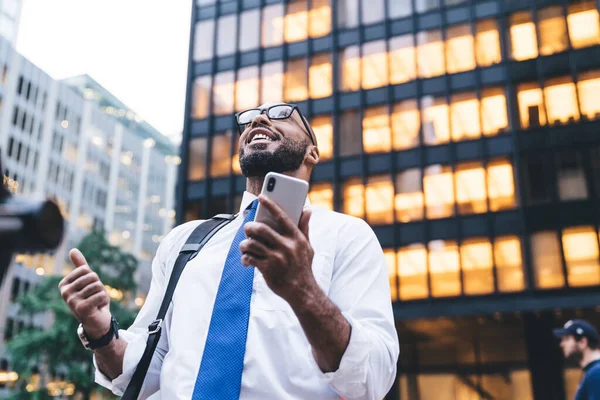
(155, 326)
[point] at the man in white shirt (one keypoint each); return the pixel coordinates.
(320, 323)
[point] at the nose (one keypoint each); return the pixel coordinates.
(260, 119)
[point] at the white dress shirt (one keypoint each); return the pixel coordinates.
(350, 268)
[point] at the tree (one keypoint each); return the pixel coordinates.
(57, 348)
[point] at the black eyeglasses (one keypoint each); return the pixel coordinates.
(274, 112)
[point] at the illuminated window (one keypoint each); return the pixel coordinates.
(580, 245)
(350, 137)
(430, 54)
(460, 48)
(376, 130)
(226, 34)
(223, 93)
(509, 265)
(547, 262)
(500, 185)
(397, 9)
(464, 111)
(271, 82)
(561, 101)
(246, 89)
(350, 69)
(380, 200)
(320, 18)
(321, 195)
(412, 271)
(406, 122)
(319, 76)
(444, 268)
(235, 161)
(323, 129)
(295, 84)
(477, 265)
(470, 188)
(347, 13)
(372, 11)
(249, 30)
(403, 61)
(436, 124)
(354, 198)
(531, 106)
(439, 191)
(374, 65)
(390, 260)
(296, 21)
(272, 25)
(204, 40)
(409, 195)
(494, 116)
(487, 43)
(553, 30)
(571, 176)
(426, 5)
(201, 97)
(522, 36)
(589, 87)
(584, 29)
(220, 162)
(197, 159)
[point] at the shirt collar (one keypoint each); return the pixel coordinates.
(248, 198)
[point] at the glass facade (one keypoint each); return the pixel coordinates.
(463, 132)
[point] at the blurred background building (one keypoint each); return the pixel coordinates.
(10, 13)
(465, 132)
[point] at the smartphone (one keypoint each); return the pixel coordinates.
(287, 192)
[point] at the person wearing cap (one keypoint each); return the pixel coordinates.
(580, 340)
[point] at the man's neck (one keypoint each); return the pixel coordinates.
(254, 184)
(589, 357)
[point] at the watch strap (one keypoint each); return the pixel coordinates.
(113, 332)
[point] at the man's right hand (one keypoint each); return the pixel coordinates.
(86, 297)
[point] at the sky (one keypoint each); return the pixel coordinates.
(136, 49)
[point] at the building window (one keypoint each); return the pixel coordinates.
(580, 245)
(193, 210)
(595, 161)
(296, 21)
(409, 196)
(584, 28)
(249, 24)
(372, 11)
(323, 130)
(402, 58)
(464, 111)
(295, 84)
(197, 159)
(439, 191)
(398, 9)
(220, 162)
(204, 40)
(380, 200)
(522, 36)
(561, 101)
(350, 137)
(531, 106)
(354, 198)
(538, 178)
(487, 43)
(350, 69)
(571, 177)
(426, 5)
(319, 76)
(246, 88)
(406, 122)
(376, 130)
(547, 262)
(494, 116)
(436, 123)
(321, 195)
(390, 260)
(444, 268)
(509, 264)
(460, 48)
(553, 30)
(271, 82)
(14, 290)
(226, 35)
(470, 188)
(222, 96)
(412, 272)
(588, 88)
(320, 18)
(477, 266)
(272, 25)
(430, 54)
(500, 185)
(374, 65)
(347, 13)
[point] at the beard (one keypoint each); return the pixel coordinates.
(289, 156)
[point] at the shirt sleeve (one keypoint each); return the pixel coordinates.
(592, 385)
(137, 335)
(360, 288)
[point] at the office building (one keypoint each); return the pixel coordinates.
(10, 15)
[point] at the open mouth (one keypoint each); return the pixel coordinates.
(261, 135)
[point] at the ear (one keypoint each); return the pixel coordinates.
(312, 155)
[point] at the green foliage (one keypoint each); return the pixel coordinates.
(58, 347)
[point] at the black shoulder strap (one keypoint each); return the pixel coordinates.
(198, 238)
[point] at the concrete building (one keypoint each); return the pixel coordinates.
(10, 15)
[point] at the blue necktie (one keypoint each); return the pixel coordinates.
(220, 375)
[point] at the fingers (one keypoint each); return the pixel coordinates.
(254, 246)
(252, 260)
(91, 304)
(74, 275)
(77, 258)
(91, 290)
(304, 220)
(263, 233)
(283, 220)
(82, 282)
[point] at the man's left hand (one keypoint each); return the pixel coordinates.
(285, 257)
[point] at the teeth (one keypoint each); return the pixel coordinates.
(261, 136)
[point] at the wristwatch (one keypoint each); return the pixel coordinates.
(101, 342)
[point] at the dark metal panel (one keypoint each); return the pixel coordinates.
(443, 229)
(474, 226)
(493, 75)
(323, 171)
(402, 27)
(523, 71)
(487, 9)
(456, 15)
(385, 235)
(577, 213)
(349, 100)
(195, 190)
(374, 32)
(348, 38)
(462, 81)
(206, 12)
(250, 58)
(322, 106)
(468, 150)
(303, 106)
(350, 167)
(586, 58)
(557, 64)
(297, 49)
(507, 222)
(248, 4)
(226, 63)
(273, 54)
(434, 86)
(411, 233)
(376, 96)
(203, 68)
(240, 183)
(407, 159)
(437, 155)
(429, 21)
(405, 91)
(229, 7)
(223, 123)
(200, 128)
(379, 163)
(322, 44)
(220, 187)
(499, 145)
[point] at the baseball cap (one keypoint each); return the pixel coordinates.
(578, 327)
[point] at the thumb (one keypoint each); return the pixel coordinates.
(77, 258)
(304, 219)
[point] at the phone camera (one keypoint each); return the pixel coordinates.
(271, 184)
